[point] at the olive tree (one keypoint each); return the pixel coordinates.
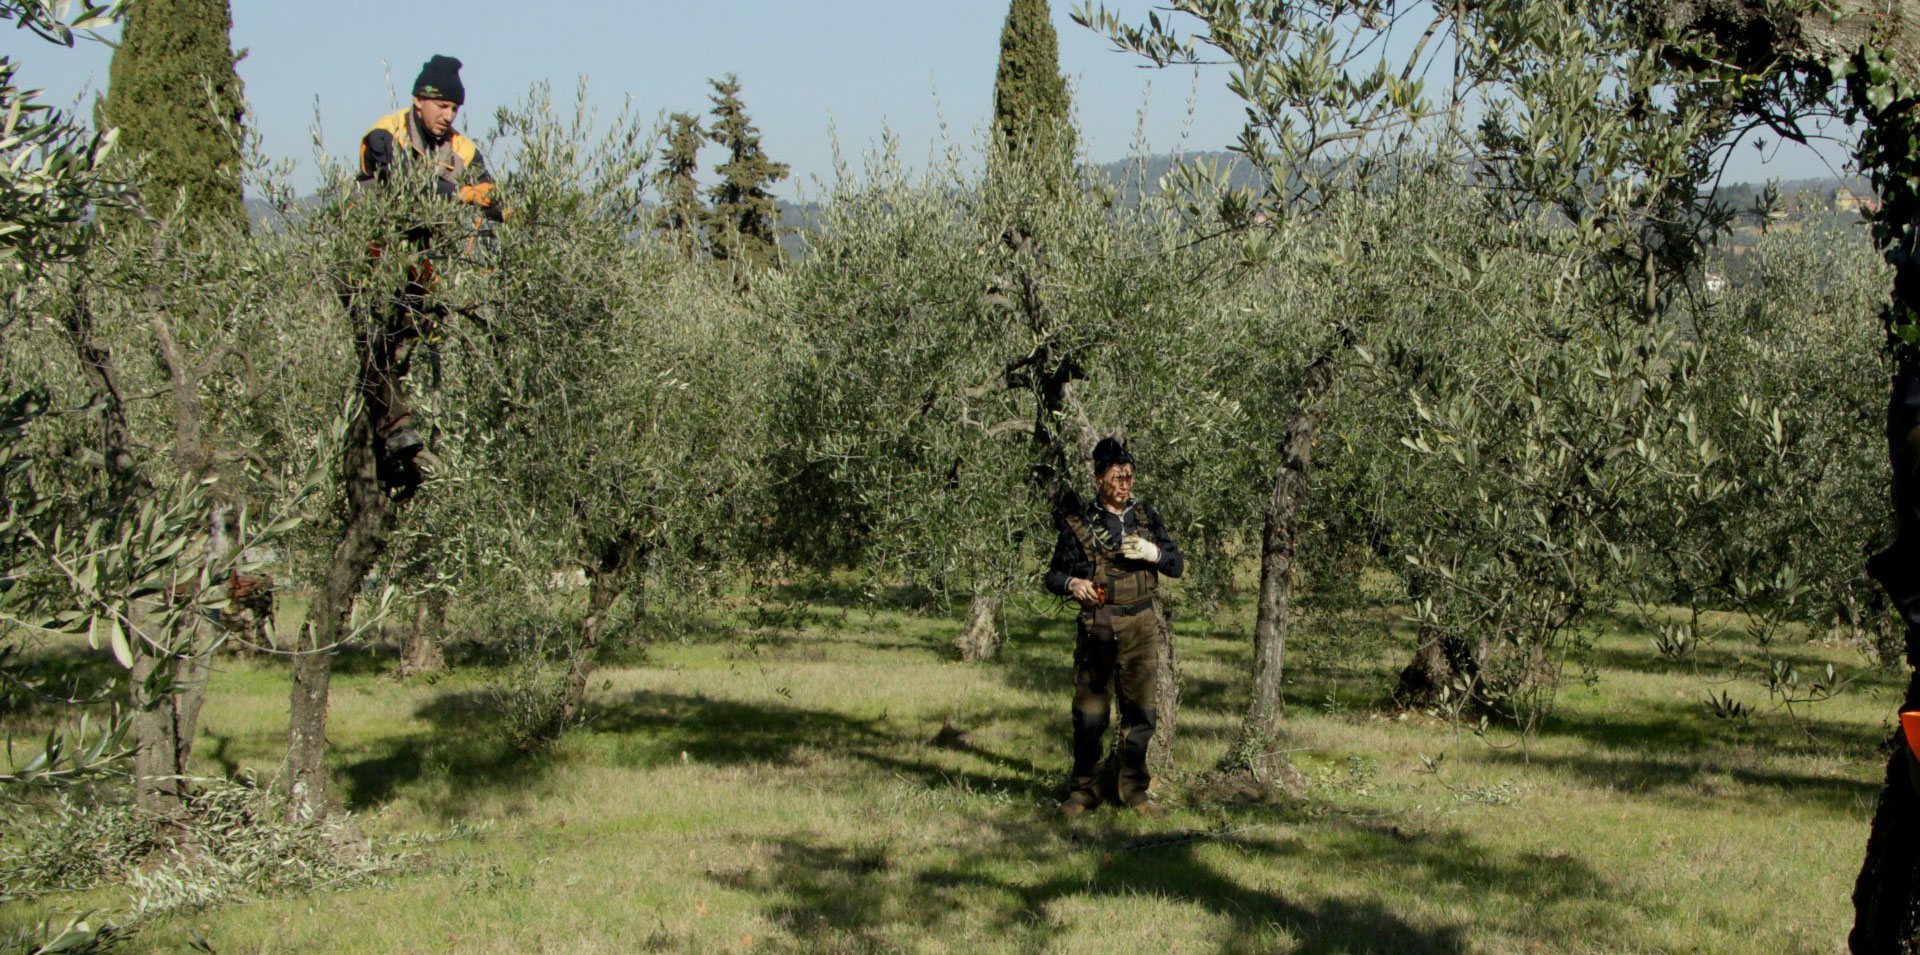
(967, 342)
(607, 393)
(86, 309)
(1335, 92)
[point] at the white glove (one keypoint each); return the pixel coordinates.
(1139, 548)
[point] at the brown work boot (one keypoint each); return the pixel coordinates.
(1078, 804)
(1145, 806)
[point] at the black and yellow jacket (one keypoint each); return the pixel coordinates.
(462, 172)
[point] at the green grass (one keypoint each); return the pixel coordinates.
(785, 796)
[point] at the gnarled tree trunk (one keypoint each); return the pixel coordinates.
(1167, 693)
(164, 722)
(1886, 894)
(606, 579)
(362, 538)
(422, 653)
(1439, 663)
(980, 636)
(167, 722)
(164, 727)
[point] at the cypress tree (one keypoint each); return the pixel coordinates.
(173, 92)
(743, 226)
(680, 207)
(1030, 101)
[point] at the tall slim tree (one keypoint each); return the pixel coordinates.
(1030, 100)
(173, 93)
(744, 224)
(680, 206)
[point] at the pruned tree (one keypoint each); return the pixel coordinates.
(1334, 93)
(111, 304)
(614, 397)
(1032, 146)
(334, 240)
(963, 342)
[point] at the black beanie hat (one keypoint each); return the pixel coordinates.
(440, 79)
(1107, 453)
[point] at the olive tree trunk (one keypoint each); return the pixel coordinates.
(981, 636)
(1279, 546)
(167, 720)
(607, 580)
(363, 536)
(1886, 894)
(1166, 692)
(168, 685)
(164, 726)
(422, 652)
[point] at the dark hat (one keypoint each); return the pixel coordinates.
(440, 79)
(1108, 453)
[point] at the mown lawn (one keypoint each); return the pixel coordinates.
(776, 795)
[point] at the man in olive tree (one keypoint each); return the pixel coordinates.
(1110, 557)
(422, 133)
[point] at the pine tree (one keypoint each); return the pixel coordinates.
(173, 92)
(743, 226)
(680, 208)
(1030, 101)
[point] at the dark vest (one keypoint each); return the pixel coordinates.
(1125, 588)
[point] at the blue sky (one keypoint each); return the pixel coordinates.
(811, 72)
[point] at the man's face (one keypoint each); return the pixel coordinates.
(436, 115)
(1115, 485)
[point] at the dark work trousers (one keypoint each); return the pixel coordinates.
(1127, 665)
(388, 340)
(1898, 567)
(387, 346)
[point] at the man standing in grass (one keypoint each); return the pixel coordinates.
(422, 133)
(1110, 557)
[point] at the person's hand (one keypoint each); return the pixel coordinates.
(1082, 590)
(479, 194)
(1139, 548)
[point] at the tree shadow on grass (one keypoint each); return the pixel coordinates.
(1016, 883)
(1734, 654)
(1677, 750)
(1681, 779)
(1687, 727)
(463, 748)
(653, 729)
(859, 895)
(656, 728)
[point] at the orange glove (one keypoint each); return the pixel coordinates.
(479, 194)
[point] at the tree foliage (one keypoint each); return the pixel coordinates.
(681, 212)
(1031, 106)
(175, 97)
(743, 222)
